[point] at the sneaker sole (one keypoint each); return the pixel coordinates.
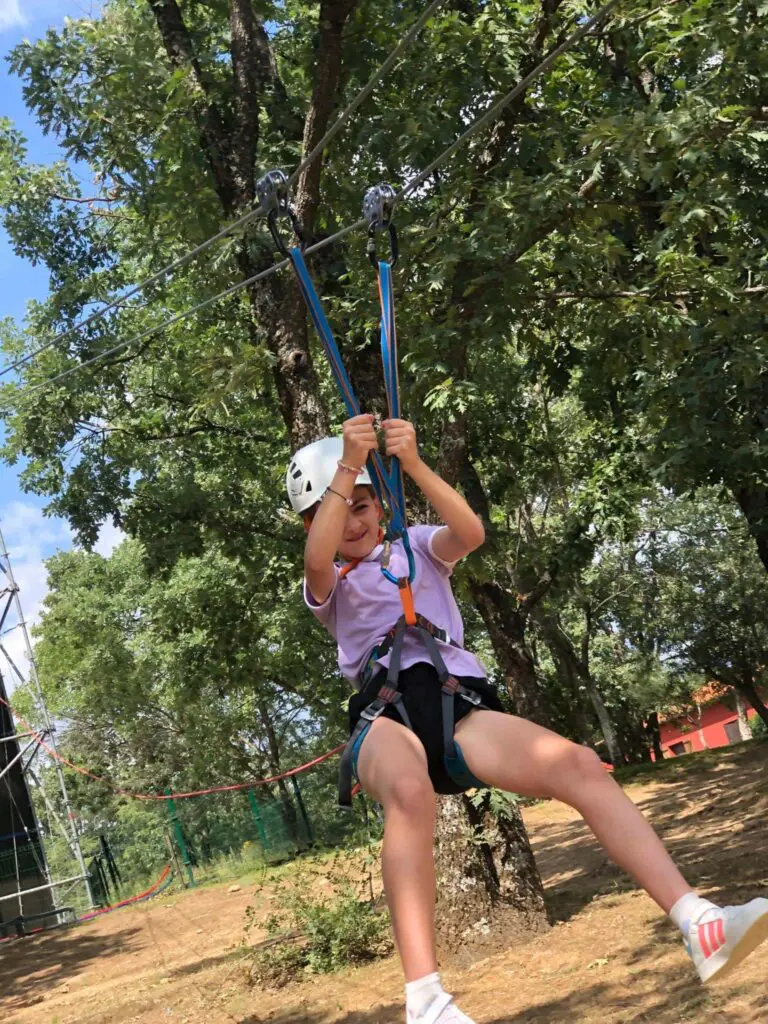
(756, 934)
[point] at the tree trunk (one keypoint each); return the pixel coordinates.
(287, 807)
(754, 505)
(653, 729)
(576, 671)
(215, 142)
(630, 730)
(333, 17)
(745, 729)
(610, 735)
(489, 888)
(578, 723)
(506, 628)
(748, 690)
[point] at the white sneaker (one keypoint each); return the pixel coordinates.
(442, 1010)
(722, 937)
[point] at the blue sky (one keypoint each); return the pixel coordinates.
(30, 536)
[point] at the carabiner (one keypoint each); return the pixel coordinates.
(378, 205)
(401, 580)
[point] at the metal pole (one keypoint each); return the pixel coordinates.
(5, 566)
(254, 804)
(41, 888)
(18, 757)
(178, 831)
(53, 814)
(16, 736)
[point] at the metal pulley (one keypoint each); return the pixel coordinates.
(378, 206)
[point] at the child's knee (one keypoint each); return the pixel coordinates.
(587, 764)
(411, 794)
(579, 767)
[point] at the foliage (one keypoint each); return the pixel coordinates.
(581, 318)
(319, 931)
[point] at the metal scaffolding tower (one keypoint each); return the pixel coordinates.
(22, 843)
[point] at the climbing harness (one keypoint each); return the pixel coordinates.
(389, 694)
(378, 205)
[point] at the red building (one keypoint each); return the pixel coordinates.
(713, 721)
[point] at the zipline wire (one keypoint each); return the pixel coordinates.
(256, 211)
(159, 797)
(408, 188)
(194, 309)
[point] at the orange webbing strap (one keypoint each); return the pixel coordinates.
(406, 599)
(347, 568)
(353, 564)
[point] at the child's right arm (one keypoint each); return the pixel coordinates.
(327, 529)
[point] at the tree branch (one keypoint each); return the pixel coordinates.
(332, 19)
(248, 82)
(180, 51)
(609, 295)
(79, 199)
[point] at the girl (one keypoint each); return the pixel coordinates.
(402, 768)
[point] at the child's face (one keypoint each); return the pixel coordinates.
(361, 530)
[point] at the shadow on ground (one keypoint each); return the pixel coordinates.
(713, 818)
(675, 1001)
(29, 967)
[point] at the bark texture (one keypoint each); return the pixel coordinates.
(489, 889)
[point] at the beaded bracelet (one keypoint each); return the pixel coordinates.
(348, 469)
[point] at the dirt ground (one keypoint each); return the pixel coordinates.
(610, 956)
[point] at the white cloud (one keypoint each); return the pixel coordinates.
(109, 538)
(10, 15)
(31, 538)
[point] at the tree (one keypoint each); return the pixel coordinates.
(716, 605)
(588, 261)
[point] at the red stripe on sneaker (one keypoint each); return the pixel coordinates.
(720, 933)
(703, 939)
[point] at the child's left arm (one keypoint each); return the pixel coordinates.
(463, 530)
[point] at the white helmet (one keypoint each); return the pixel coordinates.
(311, 471)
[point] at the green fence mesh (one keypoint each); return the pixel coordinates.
(221, 835)
(260, 824)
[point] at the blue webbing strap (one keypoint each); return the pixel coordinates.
(392, 388)
(385, 484)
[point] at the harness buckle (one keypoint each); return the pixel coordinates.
(374, 709)
(442, 635)
(451, 685)
(470, 695)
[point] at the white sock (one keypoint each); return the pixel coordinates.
(419, 994)
(688, 908)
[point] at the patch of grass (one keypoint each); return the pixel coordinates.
(673, 767)
(319, 928)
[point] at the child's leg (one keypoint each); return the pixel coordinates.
(392, 768)
(513, 754)
(516, 755)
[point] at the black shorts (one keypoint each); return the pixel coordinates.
(422, 698)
